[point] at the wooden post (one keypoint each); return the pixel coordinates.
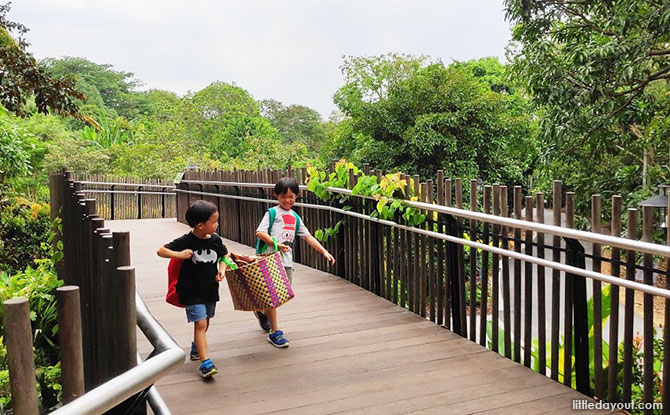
(431, 248)
(440, 250)
(406, 299)
(541, 306)
(648, 325)
(473, 263)
(447, 278)
(111, 203)
(485, 269)
(556, 280)
(19, 341)
(415, 255)
(528, 286)
(631, 233)
(614, 305)
(518, 197)
(496, 272)
(124, 280)
(423, 241)
(139, 202)
(567, 309)
(597, 302)
(69, 335)
(507, 307)
(461, 260)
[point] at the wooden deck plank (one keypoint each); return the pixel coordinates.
(351, 352)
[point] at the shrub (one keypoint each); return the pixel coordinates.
(38, 283)
(24, 229)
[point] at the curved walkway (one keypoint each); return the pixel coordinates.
(351, 352)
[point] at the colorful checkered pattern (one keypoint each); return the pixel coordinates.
(260, 285)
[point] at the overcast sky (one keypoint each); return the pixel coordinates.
(288, 50)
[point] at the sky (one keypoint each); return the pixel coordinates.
(287, 50)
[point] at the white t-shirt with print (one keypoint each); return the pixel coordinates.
(283, 230)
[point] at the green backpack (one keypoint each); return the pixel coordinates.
(261, 246)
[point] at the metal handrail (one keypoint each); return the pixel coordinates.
(132, 192)
(160, 186)
(598, 238)
(113, 392)
(568, 269)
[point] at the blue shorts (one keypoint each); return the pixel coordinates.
(197, 312)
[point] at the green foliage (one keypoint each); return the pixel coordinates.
(211, 110)
(37, 283)
(598, 72)
(103, 86)
(23, 79)
(295, 123)
(418, 116)
(384, 190)
(14, 152)
(76, 155)
(24, 228)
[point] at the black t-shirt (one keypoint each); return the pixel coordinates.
(197, 279)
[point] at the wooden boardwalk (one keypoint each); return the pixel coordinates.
(351, 352)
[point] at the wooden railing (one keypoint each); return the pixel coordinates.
(440, 268)
(129, 198)
(98, 312)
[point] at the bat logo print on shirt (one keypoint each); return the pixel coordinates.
(204, 255)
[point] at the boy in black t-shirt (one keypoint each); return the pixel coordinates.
(202, 252)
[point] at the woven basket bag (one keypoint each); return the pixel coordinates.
(259, 285)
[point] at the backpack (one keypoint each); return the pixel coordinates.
(261, 246)
(172, 297)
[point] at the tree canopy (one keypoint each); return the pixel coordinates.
(418, 116)
(22, 79)
(598, 72)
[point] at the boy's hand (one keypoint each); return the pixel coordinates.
(220, 276)
(185, 254)
(329, 257)
(283, 248)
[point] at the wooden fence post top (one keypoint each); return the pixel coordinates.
(67, 288)
(15, 300)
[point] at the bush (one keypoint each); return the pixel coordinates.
(38, 284)
(24, 230)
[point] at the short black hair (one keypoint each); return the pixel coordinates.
(199, 212)
(285, 184)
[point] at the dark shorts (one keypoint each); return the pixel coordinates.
(197, 312)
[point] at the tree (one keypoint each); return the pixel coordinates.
(419, 116)
(214, 107)
(105, 88)
(14, 152)
(22, 78)
(599, 71)
(295, 123)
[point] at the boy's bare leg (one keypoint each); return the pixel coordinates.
(200, 339)
(271, 314)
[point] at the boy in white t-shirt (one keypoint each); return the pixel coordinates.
(283, 231)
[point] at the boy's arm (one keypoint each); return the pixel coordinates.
(164, 252)
(265, 237)
(222, 269)
(311, 241)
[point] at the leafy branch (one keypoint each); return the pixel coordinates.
(387, 191)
